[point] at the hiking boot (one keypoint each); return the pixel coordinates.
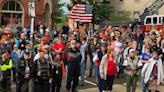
(74, 90)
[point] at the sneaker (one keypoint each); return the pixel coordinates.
(82, 85)
(149, 91)
(74, 90)
(90, 75)
(156, 91)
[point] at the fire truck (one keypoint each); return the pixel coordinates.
(147, 18)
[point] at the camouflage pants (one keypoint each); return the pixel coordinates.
(5, 85)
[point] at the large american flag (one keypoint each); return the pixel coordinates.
(81, 13)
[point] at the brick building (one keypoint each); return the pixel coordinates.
(14, 11)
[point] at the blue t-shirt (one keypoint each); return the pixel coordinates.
(145, 57)
(19, 28)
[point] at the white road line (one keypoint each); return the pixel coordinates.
(94, 84)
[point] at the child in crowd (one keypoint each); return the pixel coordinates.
(59, 72)
(153, 70)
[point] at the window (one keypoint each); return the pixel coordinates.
(160, 20)
(163, 19)
(11, 14)
(154, 20)
(148, 21)
(136, 19)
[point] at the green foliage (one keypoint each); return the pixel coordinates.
(58, 12)
(101, 12)
(125, 15)
(63, 19)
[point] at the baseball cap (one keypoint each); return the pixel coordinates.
(9, 32)
(104, 36)
(4, 36)
(103, 44)
(46, 38)
(120, 26)
(35, 32)
(76, 30)
(147, 46)
(107, 30)
(131, 50)
(153, 33)
(154, 41)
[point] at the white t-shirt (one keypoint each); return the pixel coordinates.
(41, 31)
(117, 47)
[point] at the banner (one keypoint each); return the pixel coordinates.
(31, 9)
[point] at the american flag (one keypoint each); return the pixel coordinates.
(81, 13)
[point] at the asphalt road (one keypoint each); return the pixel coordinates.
(90, 82)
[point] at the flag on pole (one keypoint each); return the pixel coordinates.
(82, 13)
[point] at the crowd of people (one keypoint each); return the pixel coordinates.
(50, 54)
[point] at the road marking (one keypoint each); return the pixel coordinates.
(94, 84)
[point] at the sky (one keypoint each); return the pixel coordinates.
(65, 8)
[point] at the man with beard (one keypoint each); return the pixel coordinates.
(5, 44)
(72, 58)
(10, 39)
(24, 68)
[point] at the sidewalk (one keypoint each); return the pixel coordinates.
(122, 88)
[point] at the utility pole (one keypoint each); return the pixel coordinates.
(32, 33)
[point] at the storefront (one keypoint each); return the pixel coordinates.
(13, 12)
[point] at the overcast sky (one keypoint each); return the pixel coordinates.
(65, 8)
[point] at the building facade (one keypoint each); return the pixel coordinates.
(136, 7)
(13, 12)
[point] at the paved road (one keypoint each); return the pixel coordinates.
(90, 82)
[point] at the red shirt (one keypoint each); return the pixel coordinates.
(58, 46)
(111, 66)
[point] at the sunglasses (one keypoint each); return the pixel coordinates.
(73, 43)
(45, 49)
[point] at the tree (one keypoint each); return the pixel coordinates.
(101, 11)
(64, 19)
(125, 15)
(58, 12)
